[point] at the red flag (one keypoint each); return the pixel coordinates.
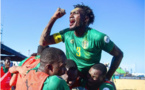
(2, 72)
(4, 81)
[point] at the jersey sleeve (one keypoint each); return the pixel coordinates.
(63, 33)
(55, 83)
(103, 42)
(57, 37)
(106, 86)
(108, 44)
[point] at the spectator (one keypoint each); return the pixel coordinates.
(7, 64)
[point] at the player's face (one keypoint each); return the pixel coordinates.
(77, 19)
(7, 63)
(94, 77)
(59, 67)
(70, 76)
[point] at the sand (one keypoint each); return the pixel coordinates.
(129, 84)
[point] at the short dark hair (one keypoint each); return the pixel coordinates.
(100, 67)
(7, 58)
(87, 11)
(71, 64)
(40, 49)
(51, 55)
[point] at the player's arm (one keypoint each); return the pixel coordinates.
(19, 69)
(13, 69)
(45, 38)
(13, 80)
(117, 57)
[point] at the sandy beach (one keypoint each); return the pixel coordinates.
(129, 84)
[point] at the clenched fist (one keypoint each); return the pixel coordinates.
(59, 13)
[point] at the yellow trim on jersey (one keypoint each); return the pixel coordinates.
(57, 37)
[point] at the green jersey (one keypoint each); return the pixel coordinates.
(106, 86)
(85, 50)
(55, 83)
(5, 69)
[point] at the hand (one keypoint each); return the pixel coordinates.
(23, 70)
(34, 54)
(59, 13)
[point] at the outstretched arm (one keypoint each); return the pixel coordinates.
(13, 80)
(45, 38)
(15, 70)
(117, 57)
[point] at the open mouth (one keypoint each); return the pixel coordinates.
(72, 21)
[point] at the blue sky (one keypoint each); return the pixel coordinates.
(122, 20)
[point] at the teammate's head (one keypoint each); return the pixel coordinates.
(7, 62)
(40, 49)
(71, 73)
(97, 74)
(52, 61)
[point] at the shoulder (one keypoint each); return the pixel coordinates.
(2, 67)
(54, 77)
(54, 82)
(97, 34)
(67, 30)
(58, 80)
(106, 86)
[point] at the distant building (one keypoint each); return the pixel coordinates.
(15, 56)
